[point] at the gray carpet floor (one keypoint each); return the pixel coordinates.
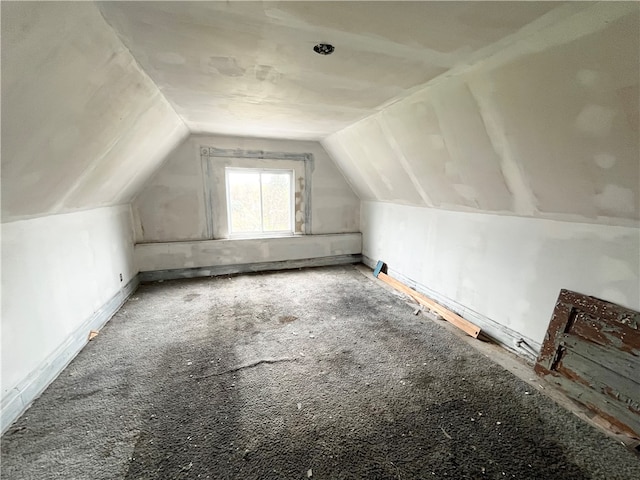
(316, 373)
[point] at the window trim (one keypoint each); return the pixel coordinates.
(262, 233)
(213, 160)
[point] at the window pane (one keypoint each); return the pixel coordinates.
(244, 201)
(276, 202)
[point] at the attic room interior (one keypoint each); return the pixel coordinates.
(327, 240)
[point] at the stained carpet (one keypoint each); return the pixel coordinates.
(316, 373)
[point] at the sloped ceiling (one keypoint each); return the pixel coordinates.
(82, 125)
(546, 127)
(520, 108)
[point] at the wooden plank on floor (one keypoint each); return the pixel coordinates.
(448, 315)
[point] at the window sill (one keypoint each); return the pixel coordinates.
(263, 236)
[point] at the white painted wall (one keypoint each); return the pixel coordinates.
(57, 272)
(506, 268)
(171, 207)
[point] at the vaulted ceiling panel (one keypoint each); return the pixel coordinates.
(416, 130)
(544, 127)
(474, 159)
(73, 103)
(356, 175)
(525, 108)
(571, 118)
(118, 176)
(378, 157)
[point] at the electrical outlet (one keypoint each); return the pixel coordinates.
(120, 277)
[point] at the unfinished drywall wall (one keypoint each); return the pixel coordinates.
(502, 269)
(547, 127)
(173, 205)
(179, 255)
(61, 277)
(82, 124)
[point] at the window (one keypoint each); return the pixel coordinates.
(217, 162)
(259, 202)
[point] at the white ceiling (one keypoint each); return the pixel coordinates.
(248, 68)
(82, 125)
(479, 106)
(547, 128)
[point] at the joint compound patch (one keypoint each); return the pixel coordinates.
(227, 66)
(588, 78)
(595, 120)
(465, 191)
(604, 160)
(616, 199)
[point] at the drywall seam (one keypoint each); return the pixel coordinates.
(156, 171)
(561, 25)
(140, 69)
(371, 43)
(132, 222)
(59, 206)
(216, 270)
(364, 175)
(403, 160)
(340, 167)
(504, 336)
(20, 398)
(183, 136)
(22, 218)
(524, 202)
(575, 22)
(87, 142)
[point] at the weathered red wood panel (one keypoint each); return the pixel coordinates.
(592, 351)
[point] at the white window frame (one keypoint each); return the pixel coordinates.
(262, 233)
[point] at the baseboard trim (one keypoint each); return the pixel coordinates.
(17, 400)
(510, 339)
(174, 274)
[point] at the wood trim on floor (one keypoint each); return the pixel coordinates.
(464, 325)
(520, 366)
(509, 339)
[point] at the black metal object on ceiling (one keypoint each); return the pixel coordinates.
(324, 49)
